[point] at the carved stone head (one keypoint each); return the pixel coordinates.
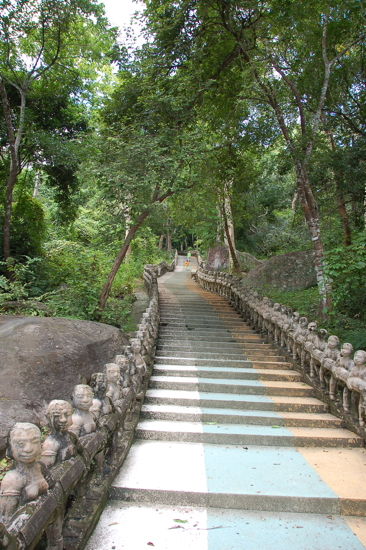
(99, 384)
(59, 415)
(82, 397)
(322, 333)
(312, 327)
(113, 372)
(346, 350)
(303, 322)
(136, 344)
(333, 341)
(24, 442)
(359, 358)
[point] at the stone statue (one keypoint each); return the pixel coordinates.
(60, 445)
(113, 373)
(330, 356)
(309, 344)
(28, 478)
(115, 384)
(83, 421)
(140, 364)
(291, 331)
(299, 337)
(127, 388)
(274, 318)
(357, 382)
(102, 403)
(316, 353)
(340, 373)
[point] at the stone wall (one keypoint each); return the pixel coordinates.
(337, 377)
(58, 499)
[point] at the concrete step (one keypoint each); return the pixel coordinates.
(202, 323)
(227, 372)
(243, 401)
(230, 348)
(209, 316)
(192, 336)
(204, 528)
(219, 361)
(216, 385)
(255, 478)
(242, 434)
(230, 354)
(236, 416)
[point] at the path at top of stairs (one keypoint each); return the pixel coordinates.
(232, 450)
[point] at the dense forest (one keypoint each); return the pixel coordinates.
(242, 121)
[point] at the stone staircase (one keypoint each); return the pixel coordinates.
(232, 450)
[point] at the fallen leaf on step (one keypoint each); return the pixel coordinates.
(181, 520)
(330, 517)
(176, 527)
(150, 544)
(210, 423)
(274, 426)
(114, 523)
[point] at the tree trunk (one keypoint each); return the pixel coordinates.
(231, 245)
(36, 185)
(117, 263)
(310, 209)
(15, 139)
(340, 202)
(161, 240)
(344, 217)
(168, 241)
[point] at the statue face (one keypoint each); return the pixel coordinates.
(82, 398)
(101, 383)
(312, 326)
(25, 443)
(113, 373)
(60, 418)
(359, 358)
(346, 350)
(333, 342)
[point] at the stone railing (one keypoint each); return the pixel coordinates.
(56, 490)
(337, 377)
(200, 260)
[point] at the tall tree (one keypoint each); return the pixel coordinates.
(285, 53)
(40, 41)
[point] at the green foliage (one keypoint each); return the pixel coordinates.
(346, 269)
(29, 227)
(25, 280)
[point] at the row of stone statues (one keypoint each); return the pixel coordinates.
(342, 377)
(82, 430)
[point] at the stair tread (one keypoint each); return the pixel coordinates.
(179, 409)
(218, 428)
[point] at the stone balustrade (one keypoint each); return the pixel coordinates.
(55, 490)
(337, 376)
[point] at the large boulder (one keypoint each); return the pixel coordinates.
(43, 358)
(247, 261)
(218, 258)
(290, 271)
